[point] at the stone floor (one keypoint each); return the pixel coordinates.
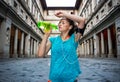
(37, 70)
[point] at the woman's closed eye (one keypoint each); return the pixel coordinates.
(61, 23)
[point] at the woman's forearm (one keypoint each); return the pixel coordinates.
(74, 17)
(42, 47)
(80, 20)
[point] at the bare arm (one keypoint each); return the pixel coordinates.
(45, 45)
(78, 19)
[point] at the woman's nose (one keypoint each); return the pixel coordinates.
(59, 24)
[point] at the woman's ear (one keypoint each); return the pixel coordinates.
(70, 27)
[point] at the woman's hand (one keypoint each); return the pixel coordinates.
(60, 14)
(48, 32)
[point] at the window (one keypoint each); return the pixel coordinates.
(102, 13)
(21, 11)
(102, 10)
(26, 17)
(31, 23)
(109, 5)
(91, 23)
(15, 4)
(97, 18)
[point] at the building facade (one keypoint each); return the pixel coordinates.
(19, 35)
(102, 34)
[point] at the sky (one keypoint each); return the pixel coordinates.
(60, 3)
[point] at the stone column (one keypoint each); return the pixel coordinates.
(31, 49)
(88, 44)
(102, 45)
(15, 43)
(110, 54)
(98, 48)
(34, 48)
(79, 50)
(37, 49)
(5, 30)
(22, 43)
(96, 44)
(117, 25)
(82, 50)
(27, 45)
(91, 47)
(85, 49)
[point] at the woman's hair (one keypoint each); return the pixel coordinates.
(72, 23)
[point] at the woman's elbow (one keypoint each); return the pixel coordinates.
(83, 20)
(81, 24)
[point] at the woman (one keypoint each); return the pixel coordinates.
(64, 65)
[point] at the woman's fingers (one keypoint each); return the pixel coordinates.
(59, 14)
(48, 32)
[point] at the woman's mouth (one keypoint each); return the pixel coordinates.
(59, 27)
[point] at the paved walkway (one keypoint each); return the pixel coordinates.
(37, 70)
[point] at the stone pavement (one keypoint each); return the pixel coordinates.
(37, 70)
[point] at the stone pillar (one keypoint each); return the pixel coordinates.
(117, 25)
(110, 54)
(98, 48)
(91, 47)
(79, 50)
(5, 38)
(34, 48)
(102, 46)
(22, 43)
(27, 45)
(37, 49)
(15, 43)
(31, 49)
(82, 50)
(85, 48)
(96, 44)
(88, 44)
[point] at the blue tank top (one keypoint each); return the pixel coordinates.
(64, 65)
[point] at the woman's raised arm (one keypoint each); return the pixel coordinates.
(80, 20)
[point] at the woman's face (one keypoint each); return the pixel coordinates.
(63, 25)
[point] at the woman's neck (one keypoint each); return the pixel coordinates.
(65, 36)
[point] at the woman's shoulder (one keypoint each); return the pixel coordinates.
(53, 38)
